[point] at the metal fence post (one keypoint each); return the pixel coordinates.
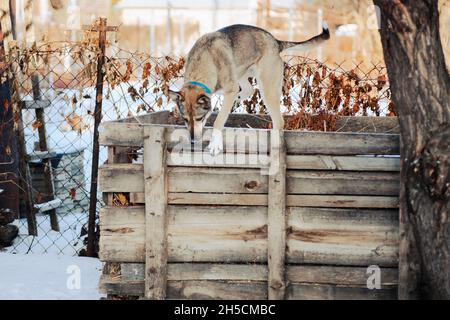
(102, 29)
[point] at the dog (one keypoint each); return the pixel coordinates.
(222, 62)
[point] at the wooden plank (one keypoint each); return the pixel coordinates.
(121, 177)
(200, 271)
(317, 234)
(329, 143)
(338, 201)
(198, 290)
(159, 117)
(219, 180)
(342, 276)
(239, 235)
(276, 242)
(220, 290)
(205, 159)
(306, 282)
(129, 132)
(368, 124)
(40, 155)
(298, 142)
(194, 234)
(332, 292)
(217, 290)
(49, 188)
(305, 274)
(155, 213)
(303, 162)
(342, 183)
(49, 205)
(327, 201)
(128, 178)
(121, 134)
(245, 120)
(347, 163)
(36, 104)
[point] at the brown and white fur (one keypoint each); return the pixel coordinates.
(223, 61)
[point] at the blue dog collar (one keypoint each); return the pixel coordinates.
(200, 85)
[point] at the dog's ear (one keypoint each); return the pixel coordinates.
(175, 96)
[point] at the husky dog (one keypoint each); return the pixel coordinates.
(222, 62)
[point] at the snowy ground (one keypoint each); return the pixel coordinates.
(68, 241)
(48, 277)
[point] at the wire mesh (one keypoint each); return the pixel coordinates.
(135, 84)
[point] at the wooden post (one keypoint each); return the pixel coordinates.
(102, 29)
(48, 175)
(276, 242)
(9, 157)
(155, 213)
(9, 26)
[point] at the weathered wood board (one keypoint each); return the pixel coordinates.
(224, 281)
(239, 234)
(128, 178)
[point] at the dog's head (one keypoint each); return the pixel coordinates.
(194, 106)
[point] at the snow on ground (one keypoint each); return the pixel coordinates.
(68, 241)
(48, 277)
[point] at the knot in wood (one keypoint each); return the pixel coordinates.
(251, 185)
(276, 285)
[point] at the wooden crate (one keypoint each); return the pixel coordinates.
(303, 221)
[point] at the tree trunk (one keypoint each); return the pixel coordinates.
(420, 86)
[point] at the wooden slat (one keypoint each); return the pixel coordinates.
(128, 178)
(216, 199)
(328, 143)
(347, 163)
(239, 234)
(129, 132)
(303, 162)
(232, 290)
(121, 177)
(205, 159)
(298, 142)
(245, 120)
(200, 271)
(121, 134)
(218, 180)
(368, 124)
(327, 201)
(342, 183)
(305, 274)
(49, 205)
(203, 234)
(276, 238)
(155, 213)
(40, 155)
(306, 282)
(36, 104)
(315, 234)
(194, 289)
(159, 117)
(337, 201)
(332, 292)
(342, 276)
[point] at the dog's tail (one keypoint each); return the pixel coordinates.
(308, 44)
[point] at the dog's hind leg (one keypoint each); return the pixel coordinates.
(270, 81)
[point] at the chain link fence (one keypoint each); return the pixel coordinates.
(64, 75)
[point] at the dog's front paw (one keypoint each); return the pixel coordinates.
(216, 143)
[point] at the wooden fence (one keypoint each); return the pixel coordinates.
(304, 220)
